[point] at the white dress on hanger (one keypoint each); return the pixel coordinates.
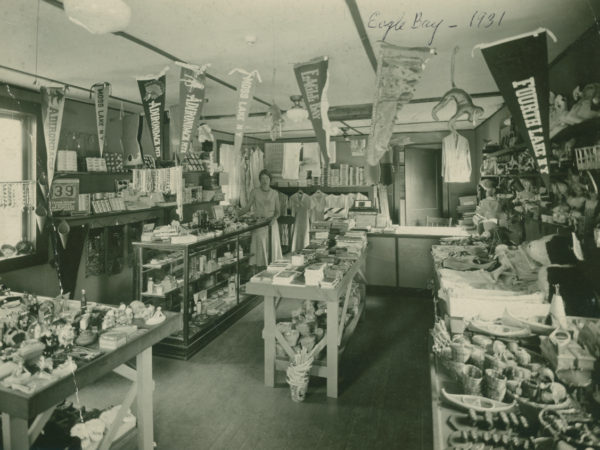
(456, 159)
(301, 206)
(319, 204)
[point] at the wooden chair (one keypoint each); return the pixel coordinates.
(439, 221)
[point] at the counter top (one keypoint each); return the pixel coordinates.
(416, 231)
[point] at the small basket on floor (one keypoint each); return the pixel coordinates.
(298, 374)
(298, 392)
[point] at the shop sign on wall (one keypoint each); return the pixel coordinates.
(64, 195)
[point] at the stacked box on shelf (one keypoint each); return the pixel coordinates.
(66, 161)
(466, 210)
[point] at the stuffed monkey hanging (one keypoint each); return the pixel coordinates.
(464, 104)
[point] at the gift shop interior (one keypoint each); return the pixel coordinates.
(312, 224)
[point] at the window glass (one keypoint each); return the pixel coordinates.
(17, 188)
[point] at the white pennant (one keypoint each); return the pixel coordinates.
(101, 94)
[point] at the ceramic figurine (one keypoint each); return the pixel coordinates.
(109, 320)
(157, 318)
(66, 335)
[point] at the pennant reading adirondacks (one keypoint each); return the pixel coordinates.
(399, 70)
(152, 90)
(101, 93)
(191, 100)
(53, 102)
(246, 91)
(313, 81)
(519, 66)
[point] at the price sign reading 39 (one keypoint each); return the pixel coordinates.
(65, 194)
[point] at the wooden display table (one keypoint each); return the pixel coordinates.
(439, 412)
(17, 408)
(334, 339)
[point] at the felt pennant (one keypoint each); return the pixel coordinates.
(313, 80)
(519, 65)
(153, 93)
(246, 92)
(101, 93)
(191, 101)
(53, 103)
(399, 70)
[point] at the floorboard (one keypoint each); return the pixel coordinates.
(217, 399)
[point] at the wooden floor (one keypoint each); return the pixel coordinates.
(217, 400)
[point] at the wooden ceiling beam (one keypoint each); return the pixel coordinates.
(362, 32)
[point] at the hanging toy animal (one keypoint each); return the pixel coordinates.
(276, 120)
(464, 103)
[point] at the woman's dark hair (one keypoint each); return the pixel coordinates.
(265, 172)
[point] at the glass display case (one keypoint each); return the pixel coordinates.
(204, 280)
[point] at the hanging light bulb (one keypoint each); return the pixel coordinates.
(98, 16)
(296, 113)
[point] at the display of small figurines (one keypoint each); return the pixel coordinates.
(157, 317)
(46, 313)
(109, 319)
(45, 364)
(123, 315)
(51, 343)
(66, 335)
(18, 379)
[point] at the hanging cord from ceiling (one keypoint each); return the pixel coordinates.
(37, 41)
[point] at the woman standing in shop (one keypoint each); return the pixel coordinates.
(264, 203)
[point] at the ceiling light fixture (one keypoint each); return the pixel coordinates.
(296, 113)
(98, 16)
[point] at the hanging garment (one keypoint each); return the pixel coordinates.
(257, 163)
(245, 178)
(456, 159)
(291, 160)
(384, 208)
(265, 204)
(336, 206)
(318, 205)
(301, 205)
(348, 202)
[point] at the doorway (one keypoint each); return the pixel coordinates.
(423, 174)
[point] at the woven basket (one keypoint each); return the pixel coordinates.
(588, 157)
(298, 392)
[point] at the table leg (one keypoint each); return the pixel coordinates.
(269, 337)
(15, 432)
(144, 396)
(332, 349)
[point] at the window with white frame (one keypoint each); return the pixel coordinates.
(17, 184)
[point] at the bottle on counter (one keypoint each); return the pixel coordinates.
(83, 302)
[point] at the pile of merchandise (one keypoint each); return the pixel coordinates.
(308, 324)
(322, 265)
(520, 343)
(198, 230)
(44, 339)
(519, 393)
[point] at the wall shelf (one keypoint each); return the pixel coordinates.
(289, 190)
(66, 174)
(112, 218)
